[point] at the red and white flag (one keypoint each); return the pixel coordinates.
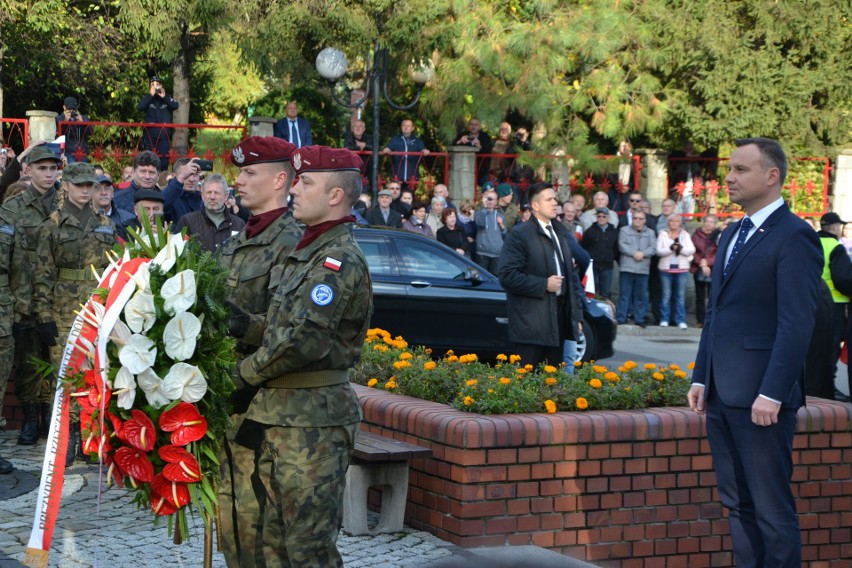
(589, 281)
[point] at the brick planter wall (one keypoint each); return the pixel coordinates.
(616, 488)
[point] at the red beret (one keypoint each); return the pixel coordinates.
(261, 150)
(325, 159)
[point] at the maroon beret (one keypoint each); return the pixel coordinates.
(261, 150)
(325, 159)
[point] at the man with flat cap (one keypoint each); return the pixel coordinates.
(147, 203)
(158, 107)
(304, 419)
(254, 259)
(28, 210)
(382, 213)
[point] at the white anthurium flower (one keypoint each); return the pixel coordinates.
(142, 278)
(184, 382)
(120, 334)
(138, 354)
(179, 292)
(153, 387)
(167, 256)
(180, 334)
(139, 312)
(125, 385)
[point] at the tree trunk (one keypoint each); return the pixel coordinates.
(181, 72)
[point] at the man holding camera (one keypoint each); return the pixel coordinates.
(76, 147)
(158, 107)
(181, 196)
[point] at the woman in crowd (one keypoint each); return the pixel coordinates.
(417, 222)
(451, 234)
(674, 250)
(846, 238)
(702, 264)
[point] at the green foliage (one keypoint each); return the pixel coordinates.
(510, 386)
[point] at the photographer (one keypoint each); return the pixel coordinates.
(181, 195)
(158, 107)
(76, 146)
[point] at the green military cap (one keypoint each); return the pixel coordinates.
(79, 173)
(41, 153)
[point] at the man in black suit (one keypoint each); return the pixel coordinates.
(293, 128)
(749, 373)
(382, 213)
(543, 296)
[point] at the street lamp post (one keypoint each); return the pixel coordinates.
(332, 65)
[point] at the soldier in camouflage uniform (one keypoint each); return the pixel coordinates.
(305, 417)
(69, 244)
(253, 258)
(15, 290)
(28, 210)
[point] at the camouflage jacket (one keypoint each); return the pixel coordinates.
(15, 274)
(255, 267)
(316, 324)
(66, 252)
(28, 213)
(511, 214)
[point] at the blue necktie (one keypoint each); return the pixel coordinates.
(745, 227)
(294, 134)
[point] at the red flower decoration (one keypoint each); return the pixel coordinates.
(90, 397)
(176, 494)
(139, 431)
(184, 422)
(117, 425)
(160, 506)
(182, 466)
(134, 463)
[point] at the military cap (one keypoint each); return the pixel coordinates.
(504, 189)
(79, 173)
(261, 150)
(487, 185)
(41, 153)
(325, 159)
(148, 195)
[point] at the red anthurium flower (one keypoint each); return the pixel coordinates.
(160, 506)
(182, 466)
(117, 424)
(134, 463)
(93, 395)
(139, 431)
(184, 422)
(177, 494)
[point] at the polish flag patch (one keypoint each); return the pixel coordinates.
(332, 263)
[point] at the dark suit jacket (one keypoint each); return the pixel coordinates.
(526, 262)
(374, 217)
(760, 317)
(282, 130)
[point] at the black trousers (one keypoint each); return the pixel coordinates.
(550, 354)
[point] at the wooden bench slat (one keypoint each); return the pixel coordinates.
(375, 448)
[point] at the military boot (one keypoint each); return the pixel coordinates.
(29, 431)
(6, 466)
(75, 440)
(44, 422)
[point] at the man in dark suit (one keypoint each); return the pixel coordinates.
(293, 128)
(749, 372)
(382, 213)
(544, 299)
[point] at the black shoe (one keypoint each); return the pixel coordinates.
(45, 410)
(840, 397)
(6, 466)
(642, 325)
(29, 431)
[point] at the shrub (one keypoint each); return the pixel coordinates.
(510, 386)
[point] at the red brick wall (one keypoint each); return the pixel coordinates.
(620, 488)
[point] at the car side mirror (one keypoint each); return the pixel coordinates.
(472, 275)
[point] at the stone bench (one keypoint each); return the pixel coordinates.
(378, 462)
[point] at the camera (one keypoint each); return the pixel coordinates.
(74, 115)
(205, 165)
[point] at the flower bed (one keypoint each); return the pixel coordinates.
(510, 386)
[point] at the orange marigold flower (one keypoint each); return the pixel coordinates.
(650, 366)
(549, 369)
(429, 365)
(674, 367)
(521, 371)
(550, 381)
(469, 358)
(514, 358)
(468, 401)
(528, 367)
(380, 347)
(691, 366)
(599, 369)
(550, 406)
(450, 352)
(680, 374)
(400, 344)
(390, 385)
(490, 391)
(578, 363)
(505, 381)
(630, 365)
(401, 364)
(658, 376)
(582, 403)
(405, 356)
(471, 382)
(452, 359)
(612, 377)
(621, 369)
(502, 357)
(595, 383)
(372, 382)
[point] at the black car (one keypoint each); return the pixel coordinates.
(432, 296)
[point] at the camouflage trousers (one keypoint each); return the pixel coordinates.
(288, 502)
(7, 357)
(30, 386)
